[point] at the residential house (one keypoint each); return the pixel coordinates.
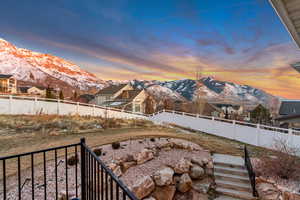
(130, 100)
(110, 93)
(85, 98)
(8, 84)
(37, 90)
(289, 114)
(291, 107)
(230, 111)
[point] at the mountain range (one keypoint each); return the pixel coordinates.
(33, 68)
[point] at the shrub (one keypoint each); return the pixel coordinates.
(115, 145)
(152, 139)
(284, 164)
(98, 151)
(73, 160)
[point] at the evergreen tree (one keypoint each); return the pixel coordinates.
(75, 95)
(61, 95)
(260, 115)
(48, 93)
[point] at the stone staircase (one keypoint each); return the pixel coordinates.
(231, 178)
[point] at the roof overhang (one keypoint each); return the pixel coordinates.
(289, 13)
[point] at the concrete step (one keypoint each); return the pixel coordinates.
(231, 178)
(235, 193)
(241, 184)
(226, 165)
(222, 197)
(233, 187)
(231, 171)
(228, 159)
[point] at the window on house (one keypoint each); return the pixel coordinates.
(137, 108)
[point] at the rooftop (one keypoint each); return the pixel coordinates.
(111, 89)
(5, 76)
(289, 13)
(290, 108)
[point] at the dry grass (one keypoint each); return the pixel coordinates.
(31, 141)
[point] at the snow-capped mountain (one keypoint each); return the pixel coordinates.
(213, 90)
(43, 69)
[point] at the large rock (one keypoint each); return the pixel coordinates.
(183, 166)
(164, 193)
(204, 185)
(143, 187)
(126, 165)
(185, 183)
(268, 191)
(164, 176)
(201, 161)
(117, 171)
(144, 156)
(191, 195)
(196, 172)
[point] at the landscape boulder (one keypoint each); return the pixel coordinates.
(183, 166)
(268, 191)
(143, 187)
(185, 183)
(144, 156)
(164, 176)
(196, 172)
(164, 193)
(201, 161)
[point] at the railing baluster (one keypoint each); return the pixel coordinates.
(102, 188)
(95, 180)
(4, 180)
(76, 182)
(45, 174)
(92, 179)
(106, 185)
(66, 166)
(98, 181)
(32, 176)
(124, 195)
(117, 192)
(83, 170)
(55, 168)
(111, 188)
(19, 178)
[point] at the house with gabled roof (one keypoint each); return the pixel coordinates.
(110, 93)
(130, 100)
(8, 84)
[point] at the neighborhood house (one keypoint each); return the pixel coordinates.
(8, 84)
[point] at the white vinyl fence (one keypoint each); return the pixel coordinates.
(254, 134)
(20, 105)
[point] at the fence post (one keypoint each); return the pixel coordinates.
(257, 134)
(290, 138)
(234, 129)
(58, 100)
(35, 106)
(94, 113)
(10, 104)
(82, 165)
(77, 108)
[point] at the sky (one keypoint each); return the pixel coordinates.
(241, 41)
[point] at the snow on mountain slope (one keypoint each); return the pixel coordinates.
(33, 67)
(164, 92)
(213, 90)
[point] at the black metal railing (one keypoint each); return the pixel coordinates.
(250, 172)
(56, 173)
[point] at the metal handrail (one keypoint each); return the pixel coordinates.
(90, 169)
(251, 172)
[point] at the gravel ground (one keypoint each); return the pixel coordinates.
(131, 175)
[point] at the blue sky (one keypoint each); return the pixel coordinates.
(235, 40)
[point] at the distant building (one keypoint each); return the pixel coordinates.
(231, 109)
(85, 98)
(291, 107)
(296, 66)
(110, 93)
(130, 100)
(37, 90)
(289, 121)
(8, 84)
